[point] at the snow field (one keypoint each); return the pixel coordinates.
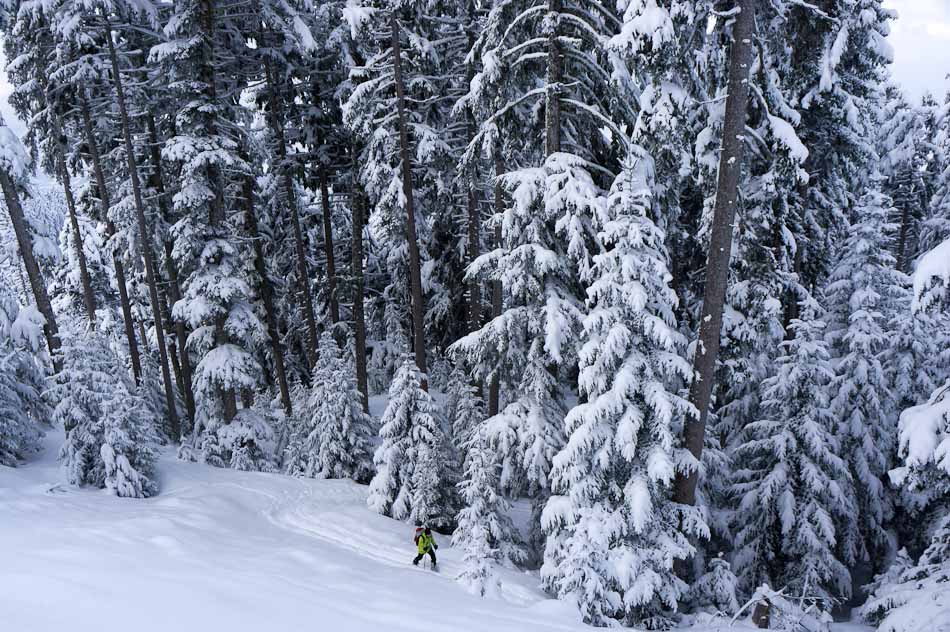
(227, 550)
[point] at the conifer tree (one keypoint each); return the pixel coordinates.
(793, 489)
(612, 479)
(484, 532)
(861, 290)
(23, 409)
(332, 439)
(409, 479)
(109, 423)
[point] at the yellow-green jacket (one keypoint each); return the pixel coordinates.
(425, 543)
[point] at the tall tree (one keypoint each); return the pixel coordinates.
(720, 244)
(13, 172)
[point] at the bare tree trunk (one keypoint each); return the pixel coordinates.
(552, 103)
(267, 295)
(37, 283)
(303, 272)
(720, 245)
(89, 300)
(147, 254)
(328, 242)
(110, 231)
(474, 218)
(174, 286)
(359, 321)
(415, 274)
(493, 390)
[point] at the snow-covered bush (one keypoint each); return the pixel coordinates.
(410, 483)
(332, 435)
(22, 381)
(110, 426)
(715, 590)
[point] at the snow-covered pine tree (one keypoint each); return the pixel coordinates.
(409, 482)
(109, 423)
(613, 534)
(793, 489)
(200, 57)
(861, 291)
(22, 381)
(332, 439)
(395, 108)
(548, 111)
(484, 529)
(14, 170)
(465, 408)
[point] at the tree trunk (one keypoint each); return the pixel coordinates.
(552, 99)
(493, 390)
(88, 299)
(174, 285)
(144, 236)
(328, 242)
(267, 294)
(110, 231)
(359, 322)
(37, 283)
(720, 246)
(415, 274)
(59, 140)
(474, 219)
(303, 272)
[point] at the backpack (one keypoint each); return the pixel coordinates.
(415, 538)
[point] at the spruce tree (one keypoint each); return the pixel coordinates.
(861, 291)
(793, 489)
(23, 410)
(484, 532)
(409, 481)
(332, 438)
(109, 423)
(612, 479)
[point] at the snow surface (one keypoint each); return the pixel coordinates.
(225, 550)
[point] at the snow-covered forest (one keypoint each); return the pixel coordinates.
(654, 295)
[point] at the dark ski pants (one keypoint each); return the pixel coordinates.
(419, 557)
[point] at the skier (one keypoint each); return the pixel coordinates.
(426, 544)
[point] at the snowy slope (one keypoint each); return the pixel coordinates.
(226, 550)
(235, 551)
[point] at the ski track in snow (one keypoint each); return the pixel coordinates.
(235, 551)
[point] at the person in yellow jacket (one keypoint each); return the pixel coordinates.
(425, 542)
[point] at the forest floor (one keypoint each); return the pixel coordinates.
(226, 550)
